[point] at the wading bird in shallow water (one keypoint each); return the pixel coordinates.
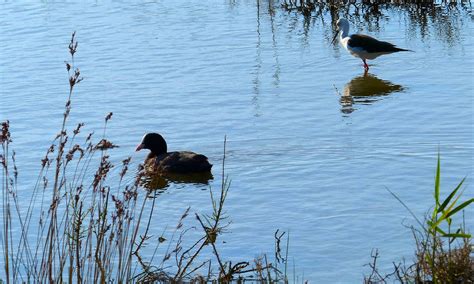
(161, 161)
(363, 46)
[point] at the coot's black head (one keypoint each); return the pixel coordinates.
(153, 142)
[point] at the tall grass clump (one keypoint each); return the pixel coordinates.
(83, 223)
(443, 249)
(80, 225)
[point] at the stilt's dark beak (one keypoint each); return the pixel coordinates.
(139, 147)
(335, 36)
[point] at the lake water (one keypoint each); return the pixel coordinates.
(303, 155)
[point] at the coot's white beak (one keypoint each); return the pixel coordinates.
(139, 147)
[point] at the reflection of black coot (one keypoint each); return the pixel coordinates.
(161, 181)
(366, 89)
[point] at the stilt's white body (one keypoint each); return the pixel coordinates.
(358, 51)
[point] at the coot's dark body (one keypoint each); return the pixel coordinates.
(179, 162)
(161, 161)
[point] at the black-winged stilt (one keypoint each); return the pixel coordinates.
(363, 46)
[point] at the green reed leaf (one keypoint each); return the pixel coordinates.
(460, 207)
(446, 201)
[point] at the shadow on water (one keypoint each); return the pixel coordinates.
(163, 181)
(365, 90)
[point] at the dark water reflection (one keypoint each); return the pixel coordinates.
(162, 182)
(366, 89)
(441, 19)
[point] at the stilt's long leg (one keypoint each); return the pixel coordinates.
(366, 66)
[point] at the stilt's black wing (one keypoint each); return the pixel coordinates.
(371, 44)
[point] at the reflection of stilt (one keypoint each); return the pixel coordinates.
(346, 101)
(365, 89)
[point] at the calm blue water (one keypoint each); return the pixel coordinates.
(302, 155)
